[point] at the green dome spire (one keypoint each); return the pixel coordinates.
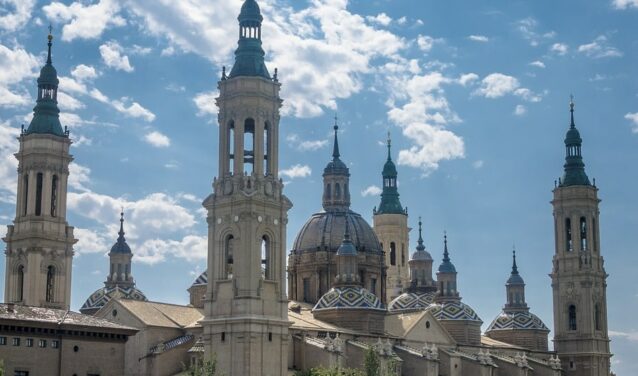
(574, 166)
(46, 114)
(390, 203)
(249, 56)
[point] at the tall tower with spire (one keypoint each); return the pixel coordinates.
(390, 222)
(246, 308)
(40, 241)
(578, 276)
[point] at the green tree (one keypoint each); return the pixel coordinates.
(1, 367)
(371, 363)
(207, 368)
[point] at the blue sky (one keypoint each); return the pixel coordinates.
(475, 95)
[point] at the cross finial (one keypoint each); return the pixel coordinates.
(571, 109)
(336, 121)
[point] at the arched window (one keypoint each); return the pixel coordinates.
(54, 196)
(362, 277)
(568, 234)
(50, 283)
(572, 317)
(266, 267)
(249, 146)
(228, 256)
(583, 234)
(337, 191)
(231, 147)
(393, 254)
(328, 191)
(593, 226)
(20, 276)
(597, 317)
(38, 194)
(25, 195)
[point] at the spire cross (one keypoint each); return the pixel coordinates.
(514, 266)
(50, 38)
(420, 236)
(389, 145)
(50, 29)
(335, 151)
(571, 109)
(446, 254)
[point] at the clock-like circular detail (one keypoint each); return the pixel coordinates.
(236, 218)
(259, 218)
(219, 220)
(276, 221)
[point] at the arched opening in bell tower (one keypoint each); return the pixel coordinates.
(38, 193)
(50, 284)
(266, 272)
(249, 146)
(583, 233)
(228, 256)
(230, 146)
(20, 276)
(54, 196)
(568, 235)
(267, 148)
(25, 194)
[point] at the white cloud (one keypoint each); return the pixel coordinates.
(79, 176)
(497, 85)
(625, 4)
(84, 72)
(296, 171)
(18, 66)
(631, 336)
(599, 48)
(425, 43)
(305, 145)
(85, 21)
(205, 103)
(537, 64)
(528, 27)
(478, 164)
(8, 163)
(520, 110)
(381, 19)
(112, 56)
(372, 190)
(479, 38)
(157, 139)
(468, 78)
(134, 110)
(15, 13)
(68, 103)
(634, 119)
(191, 248)
(418, 106)
(559, 48)
(90, 241)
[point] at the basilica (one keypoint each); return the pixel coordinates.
(342, 289)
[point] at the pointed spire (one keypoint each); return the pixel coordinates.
(121, 233)
(515, 278)
(420, 247)
(335, 150)
(389, 147)
(574, 166)
(446, 265)
(50, 37)
(121, 246)
(347, 247)
(514, 267)
(249, 56)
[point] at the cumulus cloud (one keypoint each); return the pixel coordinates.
(599, 48)
(625, 4)
(112, 56)
(468, 78)
(418, 106)
(497, 85)
(8, 163)
(381, 19)
(479, 38)
(633, 117)
(537, 64)
(305, 145)
(134, 110)
(191, 248)
(18, 66)
(296, 171)
(631, 336)
(157, 139)
(84, 72)
(478, 164)
(68, 103)
(15, 14)
(90, 241)
(372, 190)
(205, 103)
(85, 21)
(559, 48)
(528, 27)
(426, 43)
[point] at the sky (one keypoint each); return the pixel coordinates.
(475, 95)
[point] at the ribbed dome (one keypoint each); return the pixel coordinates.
(103, 295)
(573, 137)
(349, 297)
(48, 75)
(453, 310)
(326, 230)
(411, 301)
(522, 320)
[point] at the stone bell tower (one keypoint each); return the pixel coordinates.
(40, 241)
(391, 226)
(578, 276)
(246, 310)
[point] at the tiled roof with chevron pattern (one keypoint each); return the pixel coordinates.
(350, 297)
(517, 320)
(453, 311)
(411, 301)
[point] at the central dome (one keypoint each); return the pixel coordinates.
(325, 231)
